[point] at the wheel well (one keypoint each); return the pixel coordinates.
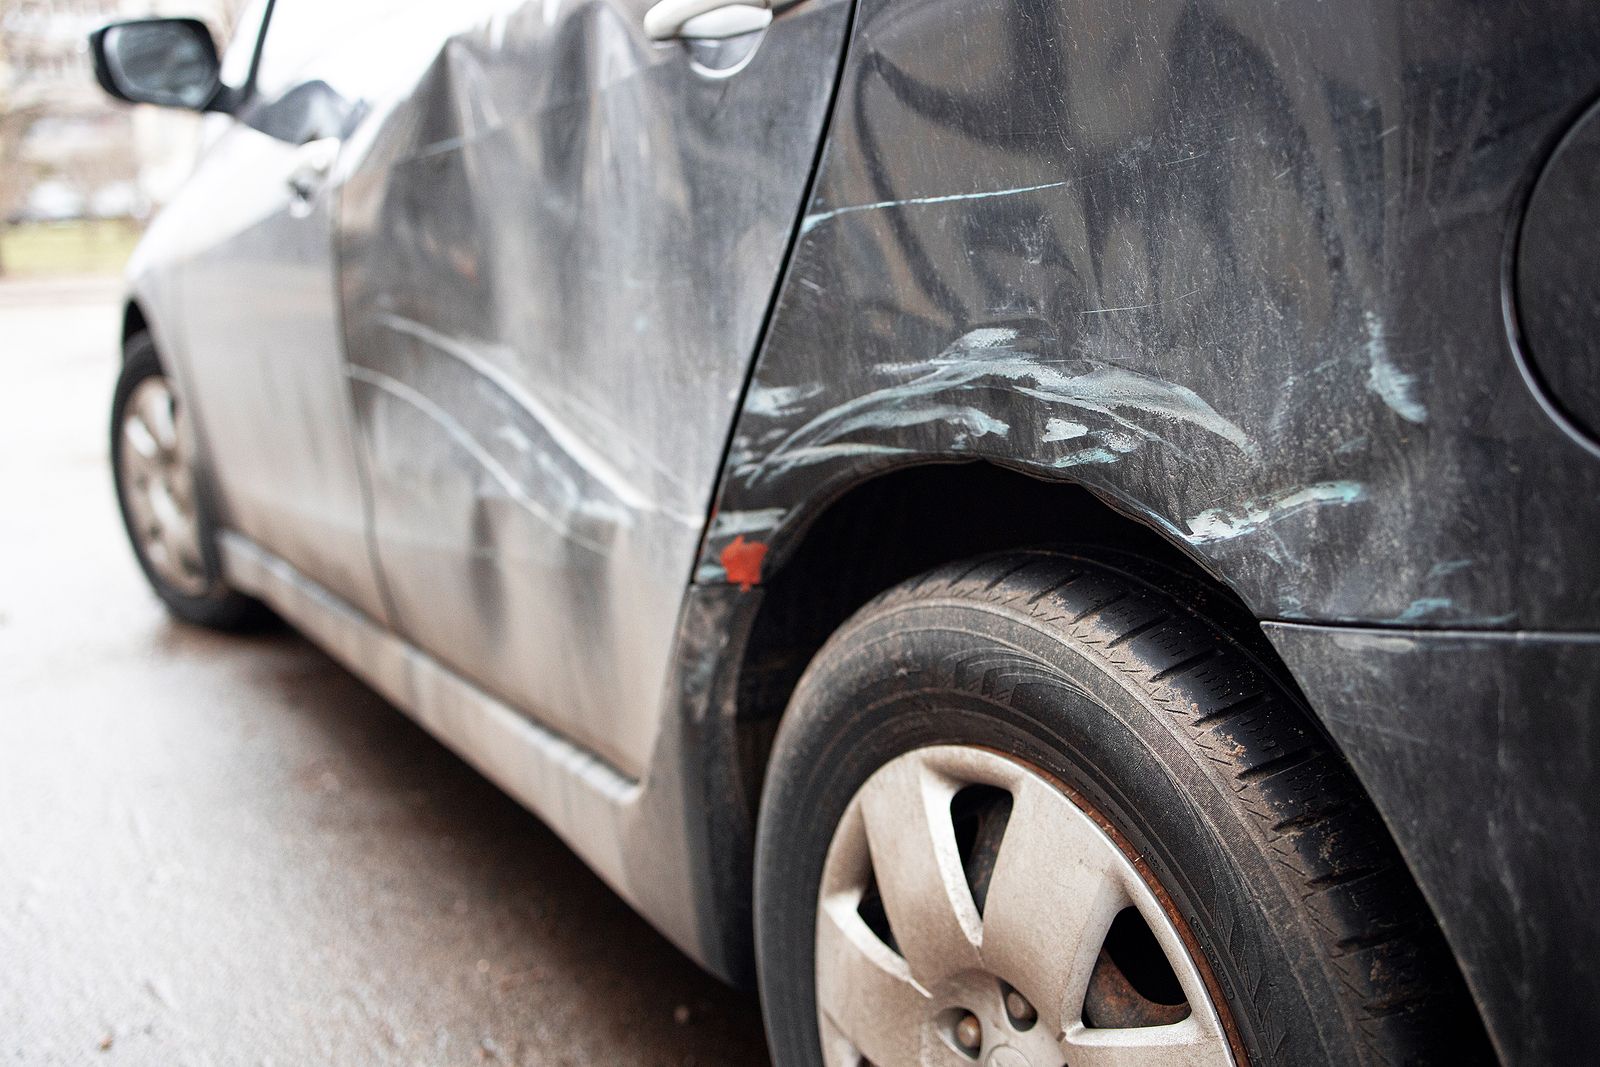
(893, 527)
(898, 525)
(133, 321)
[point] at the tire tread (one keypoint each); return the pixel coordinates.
(1248, 724)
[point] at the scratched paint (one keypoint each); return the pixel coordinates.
(499, 474)
(1062, 430)
(1087, 455)
(590, 332)
(780, 400)
(1424, 608)
(1392, 385)
(814, 220)
(489, 363)
(985, 365)
(1447, 568)
(729, 523)
(1226, 523)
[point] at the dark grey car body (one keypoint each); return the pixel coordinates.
(600, 377)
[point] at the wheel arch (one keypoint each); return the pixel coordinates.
(839, 550)
(843, 549)
(134, 320)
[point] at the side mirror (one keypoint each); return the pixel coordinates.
(166, 62)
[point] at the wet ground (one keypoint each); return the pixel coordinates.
(227, 850)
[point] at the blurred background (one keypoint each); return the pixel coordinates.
(80, 174)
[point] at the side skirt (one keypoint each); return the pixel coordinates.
(634, 834)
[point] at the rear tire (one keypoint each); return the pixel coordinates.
(1159, 717)
(162, 500)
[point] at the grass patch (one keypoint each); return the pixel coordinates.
(37, 249)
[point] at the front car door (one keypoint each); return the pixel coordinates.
(257, 321)
(559, 242)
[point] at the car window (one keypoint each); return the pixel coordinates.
(309, 40)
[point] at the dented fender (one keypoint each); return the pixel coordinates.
(1237, 269)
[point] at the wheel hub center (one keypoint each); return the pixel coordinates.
(988, 1019)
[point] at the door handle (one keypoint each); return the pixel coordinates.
(312, 164)
(706, 19)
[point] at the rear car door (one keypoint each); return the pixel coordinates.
(559, 243)
(259, 314)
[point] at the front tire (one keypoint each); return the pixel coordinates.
(1044, 782)
(154, 466)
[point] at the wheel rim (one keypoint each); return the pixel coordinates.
(157, 476)
(928, 936)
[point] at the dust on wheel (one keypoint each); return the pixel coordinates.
(1046, 808)
(973, 973)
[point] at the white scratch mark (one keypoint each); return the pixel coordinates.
(988, 337)
(1392, 385)
(973, 421)
(1062, 430)
(1118, 441)
(497, 472)
(1425, 607)
(756, 520)
(1223, 524)
(1444, 570)
(776, 401)
(1088, 455)
(811, 222)
(800, 457)
(979, 363)
(485, 364)
(1142, 307)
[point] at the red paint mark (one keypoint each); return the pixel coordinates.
(742, 562)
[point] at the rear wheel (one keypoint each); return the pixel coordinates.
(1041, 810)
(153, 459)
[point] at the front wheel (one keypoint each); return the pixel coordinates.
(1038, 810)
(154, 462)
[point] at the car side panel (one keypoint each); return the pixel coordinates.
(559, 246)
(1235, 266)
(1489, 777)
(1239, 268)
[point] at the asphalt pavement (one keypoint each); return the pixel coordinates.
(225, 850)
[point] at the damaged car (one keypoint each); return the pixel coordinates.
(1029, 531)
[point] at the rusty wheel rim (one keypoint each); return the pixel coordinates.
(941, 940)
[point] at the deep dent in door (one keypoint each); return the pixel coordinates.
(558, 250)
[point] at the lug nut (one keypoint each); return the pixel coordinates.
(969, 1033)
(1022, 1013)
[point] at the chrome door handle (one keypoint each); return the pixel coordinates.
(313, 161)
(706, 19)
